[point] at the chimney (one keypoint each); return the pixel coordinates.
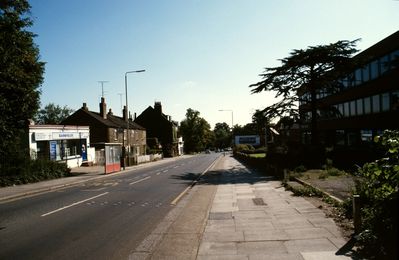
(103, 108)
(84, 107)
(158, 107)
(110, 112)
(124, 112)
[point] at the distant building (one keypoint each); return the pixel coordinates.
(108, 128)
(160, 128)
(365, 103)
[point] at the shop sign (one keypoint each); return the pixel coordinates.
(66, 135)
(53, 150)
(41, 136)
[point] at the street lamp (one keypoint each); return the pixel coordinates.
(232, 124)
(127, 113)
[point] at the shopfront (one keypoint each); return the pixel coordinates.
(61, 143)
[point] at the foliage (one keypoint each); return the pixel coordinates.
(20, 76)
(378, 187)
(305, 71)
(243, 147)
(196, 132)
(223, 135)
(53, 114)
(27, 171)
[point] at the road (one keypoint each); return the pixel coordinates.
(102, 219)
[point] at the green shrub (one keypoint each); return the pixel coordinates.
(300, 168)
(27, 171)
(378, 188)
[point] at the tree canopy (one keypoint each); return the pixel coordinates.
(53, 114)
(306, 70)
(196, 132)
(223, 135)
(21, 72)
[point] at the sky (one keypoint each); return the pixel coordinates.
(201, 55)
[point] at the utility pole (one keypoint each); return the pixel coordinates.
(102, 86)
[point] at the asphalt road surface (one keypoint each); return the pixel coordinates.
(101, 219)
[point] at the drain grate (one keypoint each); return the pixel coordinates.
(259, 202)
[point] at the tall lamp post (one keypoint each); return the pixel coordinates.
(127, 114)
(232, 124)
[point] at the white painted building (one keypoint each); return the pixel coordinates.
(61, 143)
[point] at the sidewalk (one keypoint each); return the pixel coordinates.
(80, 175)
(234, 213)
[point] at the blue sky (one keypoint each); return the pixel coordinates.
(197, 54)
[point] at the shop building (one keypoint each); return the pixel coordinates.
(67, 143)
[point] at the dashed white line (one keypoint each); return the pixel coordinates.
(73, 204)
(146, 178)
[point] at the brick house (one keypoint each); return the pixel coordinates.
(161, 128)
(108, 128)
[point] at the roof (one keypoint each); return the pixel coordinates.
(112, 121)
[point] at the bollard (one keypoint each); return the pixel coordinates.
(356, 213)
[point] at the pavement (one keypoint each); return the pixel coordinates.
(237, 213)
(231, 213)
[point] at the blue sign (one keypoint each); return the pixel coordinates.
(53, 150)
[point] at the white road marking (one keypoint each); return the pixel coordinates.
(73, 204)
(165, 171)
(146, 178)
(158, 173)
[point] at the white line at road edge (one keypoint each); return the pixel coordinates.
(146, 178)
(73, 204)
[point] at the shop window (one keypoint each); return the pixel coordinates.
(367, 105)
(376, 103)
(42, 150)
(352, 138)
(353, 108)
(385, 102)
(359, 107)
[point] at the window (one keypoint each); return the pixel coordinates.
(346, 109)
(395, 100)
(366, 136)
(385, 102)
(353, 108)
(352, 138)
(374, 69)
(367, 105)
(359, 107)
(358, 77)
(341, 110)
(384, 63)
(395, 59)
(340, 137)
(376, 103)
(366, 73)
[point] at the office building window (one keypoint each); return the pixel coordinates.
(366, 136)
(359, 106)
(358, 77)
(385, 102)
(340, 110)
(376, 103)
(366, 73)
(384, 63)
(346, 109)
(367, 105)
(340, 137)
(395, 100)
(353, 108)
(374, 69)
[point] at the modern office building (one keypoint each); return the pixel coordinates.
(365, 103)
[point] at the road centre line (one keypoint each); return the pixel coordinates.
(73, 204)
(146, 178)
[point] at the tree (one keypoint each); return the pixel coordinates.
(308, 71)
(196, 132)
(21, 74)
(222, 135)
(53, 114)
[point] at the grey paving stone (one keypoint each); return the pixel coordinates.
(328, 255)
(307, 233)
(220, 215)
(251, 214)
(222, 257)
(261, 247)
(310, 245)
(223, 236)
(265, 235)
(286, 256)
(217, 248)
